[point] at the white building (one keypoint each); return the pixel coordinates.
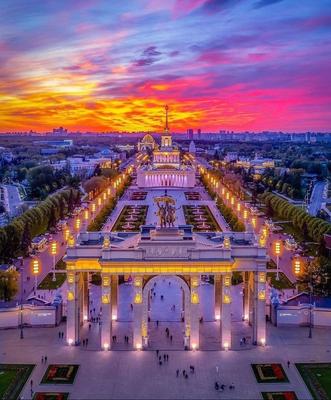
(167, 169)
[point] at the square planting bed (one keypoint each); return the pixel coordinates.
(279, 395)
(317, 377)
(60, 374)
(50, 396)
(12, 379)
(269, 373)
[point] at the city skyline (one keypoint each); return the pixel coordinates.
(233, 65)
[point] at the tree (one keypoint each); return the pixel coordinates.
(26, 239)
(8, 285)
(52, 218)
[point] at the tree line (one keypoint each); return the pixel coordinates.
(230, 217)
(16, 237)
(311, 227)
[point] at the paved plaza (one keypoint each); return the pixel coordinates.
(137, 375)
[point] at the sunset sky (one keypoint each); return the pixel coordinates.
(112, 64)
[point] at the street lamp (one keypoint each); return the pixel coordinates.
(35, 272)
(93, 207)
(66, 234)
(277, 252)
(77, 224)
(53, 253)
(21, 306)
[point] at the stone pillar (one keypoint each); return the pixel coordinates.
(106, 311)
(259, 324)
(226, 311)
(217, 294)
(137, 312)
(250, 299)
(114, 296)
(195, 317)
(246, 292)
(86, 297)
(73, 312)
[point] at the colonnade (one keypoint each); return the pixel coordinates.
(253, 307)
(166, 158)
(166, 179)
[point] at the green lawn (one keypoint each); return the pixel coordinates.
(48, 283)
(12, 379)
(317, 377)
(61, 264)
(283, 283)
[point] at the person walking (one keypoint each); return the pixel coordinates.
(288, 364)
(42, 359)
(45, 359)
(177, 373)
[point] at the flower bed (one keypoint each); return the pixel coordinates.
(192, 195)
(12, 379)
(279, 395)
(138, 195)
(50, 396)
(201, 218)
(60, 374)
(317, 377)
(269, 373)
(130, 219)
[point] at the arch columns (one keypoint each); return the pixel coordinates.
(194, 313)
(73, 308)
(114, 296)
(106, 311)
(226, 311)
(138, 331)
(259, 320)
(217, 294)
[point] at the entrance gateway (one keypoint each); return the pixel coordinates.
(167, 252)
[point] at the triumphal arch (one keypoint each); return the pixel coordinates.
(166, 251)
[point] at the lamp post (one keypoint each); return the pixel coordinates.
(277, 252)
(310, 335)
(53, 253)
(21, 298)
(35, 272)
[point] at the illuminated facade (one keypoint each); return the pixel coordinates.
(170, 252)
(166, 169)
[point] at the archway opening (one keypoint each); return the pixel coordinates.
(167, 299)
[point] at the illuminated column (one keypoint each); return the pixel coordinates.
(250, 299)
(137, 312)
(86, 297)
(246, 309)
(195, 319)
(114, 296)
(226, 311)
(106, 311)
(259, 325)
(217, 293)
(73, 312)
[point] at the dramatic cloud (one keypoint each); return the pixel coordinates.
(219, 64)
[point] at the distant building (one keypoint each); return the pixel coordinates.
(6, 156)
(231, 156)
(190, 134)
(199, 133)
(60, 131)
(192, 149)
(62, 144)
(147, 143)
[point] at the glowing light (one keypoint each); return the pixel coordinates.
(194, 298)
(66, 234)
(261, 294)
(70, 342)
(85, 317)
(86, 216)
(35, 267)
(238, 207)
(254, 222)
(114, 317)
(105, 299)
(226, 243)
(217, 317)
(70, 295)
(194, 346)
(297, 266)
(226, 346)
(138, 346)
(232, 201)
(77, 224)
(106, 346)
(93, 207)
(277, 247)
(245, 214)
(226, 299)
(262, 277)
(54, 248)
(263, 341)
(138, 298)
